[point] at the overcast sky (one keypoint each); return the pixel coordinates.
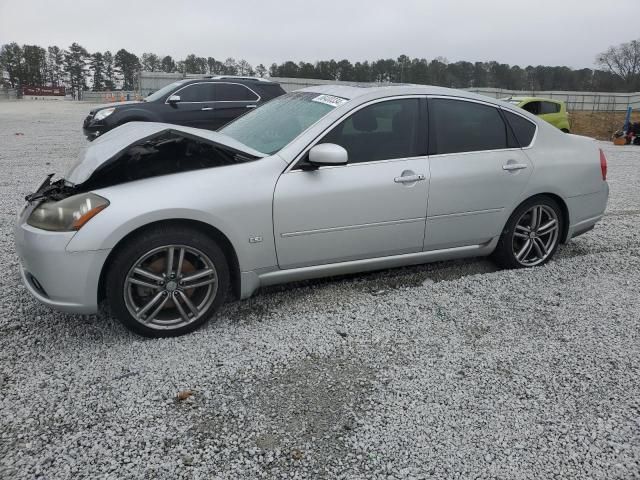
(533, 32)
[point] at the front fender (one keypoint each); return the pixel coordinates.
(236, 200)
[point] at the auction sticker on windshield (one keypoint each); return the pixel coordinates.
(329, 100)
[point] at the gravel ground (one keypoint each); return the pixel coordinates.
(450, 370)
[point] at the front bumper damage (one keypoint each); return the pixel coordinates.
(63, 280)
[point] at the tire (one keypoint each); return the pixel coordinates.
(148, 300)
(522, 248)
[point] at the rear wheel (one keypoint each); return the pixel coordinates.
(532, 234)
(167, 283)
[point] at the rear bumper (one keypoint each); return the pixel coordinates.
(65, 281)
(586, 211)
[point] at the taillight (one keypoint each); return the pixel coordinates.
(603, 165)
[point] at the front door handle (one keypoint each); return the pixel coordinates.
(206, 109)
(510, 167)
(409, 178)
(251, 106)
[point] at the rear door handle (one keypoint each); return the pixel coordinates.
(409, 178)
(206, 109)
(251, 106)
(509, 167)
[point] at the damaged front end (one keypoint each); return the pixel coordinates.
(129, 153)
(160, 149)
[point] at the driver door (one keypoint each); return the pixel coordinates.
(373, 206)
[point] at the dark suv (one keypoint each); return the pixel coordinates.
(209, 102)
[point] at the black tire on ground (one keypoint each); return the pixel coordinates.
(156, 238)
(504, 254)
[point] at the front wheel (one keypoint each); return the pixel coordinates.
(532, 234)
(167, 283)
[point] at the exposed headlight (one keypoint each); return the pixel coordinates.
(104, 113)
(69, 214)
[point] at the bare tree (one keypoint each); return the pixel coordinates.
(624, 61)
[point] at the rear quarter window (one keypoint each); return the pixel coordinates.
(523, 129)
(233, 92)
(549, 107)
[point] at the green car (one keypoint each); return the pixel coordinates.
(552, 111)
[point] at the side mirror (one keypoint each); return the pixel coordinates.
(326, 154)
(174, 99)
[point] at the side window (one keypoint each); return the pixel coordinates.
(549, 107)
(199, 92)
(532, 107)
(461, 126)
(523, 129)
(382, 131)
(230, 92)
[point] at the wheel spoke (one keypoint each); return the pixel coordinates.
(189, 303)
(524, 251)
(538, 249)
(142, 283)
(183, 314)
(534, 218)
(153, 314)
(548, 227)
(542, 246)
(146, 273)
(520, 235)
(169, 265)
(199, 284)
(197, 275)
(149, 304)
(523, 228)
(180, 260)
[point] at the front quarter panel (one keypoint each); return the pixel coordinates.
(237, 200)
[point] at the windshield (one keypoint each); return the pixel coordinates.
(163, 91)
(272, 126)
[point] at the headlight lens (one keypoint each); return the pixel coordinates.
(69, 214)
(104, 113)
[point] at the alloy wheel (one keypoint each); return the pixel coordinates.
(535, 236)
(170, 286)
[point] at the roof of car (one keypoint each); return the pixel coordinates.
(238, 78)
(353, 91)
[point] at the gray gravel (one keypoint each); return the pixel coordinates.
(451, 370)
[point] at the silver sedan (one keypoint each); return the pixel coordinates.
(166, 222)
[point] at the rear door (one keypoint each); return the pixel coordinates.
(478, 173)
(231, 101)
(195, 108)
(372, 207)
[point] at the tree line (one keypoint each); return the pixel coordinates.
(79, 70)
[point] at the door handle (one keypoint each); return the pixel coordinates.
(510, 167)
(251, 106)
(206, 109)
(409, 178)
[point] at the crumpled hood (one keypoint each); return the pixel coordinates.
(106, 146)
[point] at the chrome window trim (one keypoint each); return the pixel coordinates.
(315, 141)
(499, 107)
(216, 101)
